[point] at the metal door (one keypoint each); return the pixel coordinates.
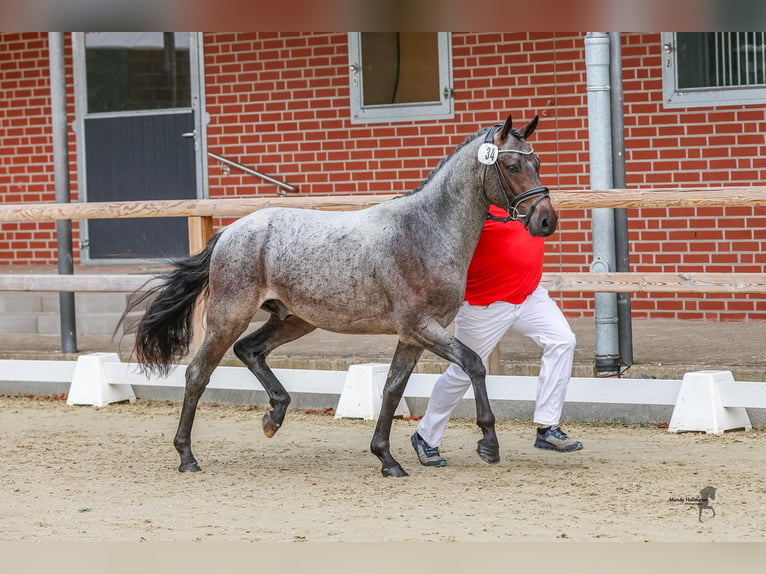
(138, 118)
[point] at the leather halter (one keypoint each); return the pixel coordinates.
(513, 212)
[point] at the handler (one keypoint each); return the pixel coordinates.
(503, 292)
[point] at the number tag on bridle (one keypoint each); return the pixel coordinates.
(487, 153)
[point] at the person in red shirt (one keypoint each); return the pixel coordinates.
(503, 292)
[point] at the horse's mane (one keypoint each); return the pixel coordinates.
(430, 176)
(515, 132)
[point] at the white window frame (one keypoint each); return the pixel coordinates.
(443, 109)
(673, 97)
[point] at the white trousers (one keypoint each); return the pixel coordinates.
(481, 328)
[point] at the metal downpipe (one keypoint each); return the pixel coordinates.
(600, 148)
(63, 195)
(621, 244)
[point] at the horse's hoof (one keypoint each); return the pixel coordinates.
(490, 454)
(270, 427)
(395, 471)
(189, 467)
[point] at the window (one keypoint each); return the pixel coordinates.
(128, 71)
(713, 68)
(399, 76)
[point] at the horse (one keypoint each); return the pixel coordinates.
(703, 503)
(398, 267)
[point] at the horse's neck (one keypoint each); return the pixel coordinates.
(454, 200)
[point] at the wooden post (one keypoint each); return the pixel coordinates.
(493, 362)
(200, 232)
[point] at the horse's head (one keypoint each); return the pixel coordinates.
(707, 493)
(517, 168)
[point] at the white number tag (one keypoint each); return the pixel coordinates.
(487, 153)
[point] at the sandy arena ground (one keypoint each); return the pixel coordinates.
(109, 474)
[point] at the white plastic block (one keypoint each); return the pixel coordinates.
(90, 385)
(362, 393)
(699, 406)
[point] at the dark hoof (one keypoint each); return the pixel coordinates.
(395, 471)
(189, 467)
(270, 427)
(490, 454)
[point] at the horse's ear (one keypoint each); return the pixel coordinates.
(507, 127)
(529, 129)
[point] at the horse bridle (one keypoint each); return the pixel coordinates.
(513, 212)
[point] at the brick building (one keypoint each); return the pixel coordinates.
(287, 105)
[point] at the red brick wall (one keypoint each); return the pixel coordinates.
(693, 147)
(26, 145)
(279, 102)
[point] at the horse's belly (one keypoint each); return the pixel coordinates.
(345, 320)
(359, 329)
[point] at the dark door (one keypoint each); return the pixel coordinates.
(136, 158)
(137, 140)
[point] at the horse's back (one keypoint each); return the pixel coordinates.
(330, 268)
(298, 237)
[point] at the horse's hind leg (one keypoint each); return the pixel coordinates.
(404, 361)
(253, 350)
(198, 374)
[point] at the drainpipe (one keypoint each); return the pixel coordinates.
(600, 143)
(61, 178)
(622, 249)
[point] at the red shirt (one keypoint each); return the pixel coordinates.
(507, 264)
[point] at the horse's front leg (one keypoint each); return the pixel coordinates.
(441, 343)
(488, 448)
(404, 361)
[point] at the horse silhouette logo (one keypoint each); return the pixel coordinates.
(703, 502)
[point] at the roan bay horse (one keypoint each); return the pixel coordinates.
(396, 267)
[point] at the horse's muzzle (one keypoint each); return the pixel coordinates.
(543, 221)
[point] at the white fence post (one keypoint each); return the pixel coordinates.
(90, 385)
(362, 393)
(699, 406)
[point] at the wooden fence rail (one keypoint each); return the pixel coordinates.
(575, 199)
(556, 282)
(200, 214)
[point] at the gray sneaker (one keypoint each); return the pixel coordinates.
(428, 455)
(553, 438)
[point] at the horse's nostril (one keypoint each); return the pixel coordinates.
(548, 226)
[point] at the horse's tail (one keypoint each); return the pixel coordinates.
(164, 333)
